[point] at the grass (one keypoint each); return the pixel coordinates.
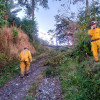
(51, 71)
(32, 91)
(9, 70)
(79, 75)
(8, 74)
(15, 32)
(80, 81)
(29, 98)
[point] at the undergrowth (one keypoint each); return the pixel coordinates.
(80, 81)
(15, 32)
(9, 67)
(78, 73)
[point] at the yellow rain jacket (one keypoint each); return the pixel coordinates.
(95, 41)
(95, 34)
(25, 55)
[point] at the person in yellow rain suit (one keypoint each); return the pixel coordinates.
(25, 59)
(94, 32)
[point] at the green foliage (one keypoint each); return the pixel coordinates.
(30, 6)
(15, 32)
(32, 90)
(12, 18)
(85, 20)
(51, 71)
(29, 97)
(2, 56)
(8, 68)
(80, 81)
(5, 7)
(79, 75)
(82, 47)
(3, 60)
(29, 27)
(2, 22)
(56, 60)
(36, 45)
(2, 13)
(2, 8)
(53, 62)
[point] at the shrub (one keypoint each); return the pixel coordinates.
(29, 27)
(2, 13)
(2, 23)
(8, 67)
(82, 46)
(51, 71)
(15, 32)
(56, 60)
(80, 81)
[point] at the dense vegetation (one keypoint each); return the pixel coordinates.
(9, 64)
(78, 73)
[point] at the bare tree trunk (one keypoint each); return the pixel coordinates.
(93, 1)
(33, 8)
(87, 7)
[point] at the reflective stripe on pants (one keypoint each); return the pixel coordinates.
(94, 46)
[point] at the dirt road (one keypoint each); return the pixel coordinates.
(17, 88)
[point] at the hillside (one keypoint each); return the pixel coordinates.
(13, 43)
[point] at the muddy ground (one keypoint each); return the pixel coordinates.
(49, 89)
(17, 88)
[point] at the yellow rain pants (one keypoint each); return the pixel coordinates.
(95, 42)
(22, 67)
(94, 48)
(24, 57)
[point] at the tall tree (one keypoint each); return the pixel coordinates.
(33, 8)
(87, 7)
(32, 4)
(2, 12)
(87, 4)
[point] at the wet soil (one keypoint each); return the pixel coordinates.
(17, 88)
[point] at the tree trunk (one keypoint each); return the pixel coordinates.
(93, 1)
(87, 7)
(33, 9)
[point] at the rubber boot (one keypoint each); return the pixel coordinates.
(26, 73)
(96, 60)
(21, 75)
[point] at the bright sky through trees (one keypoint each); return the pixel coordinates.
(45, 17)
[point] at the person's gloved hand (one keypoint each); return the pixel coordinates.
(30, 60)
